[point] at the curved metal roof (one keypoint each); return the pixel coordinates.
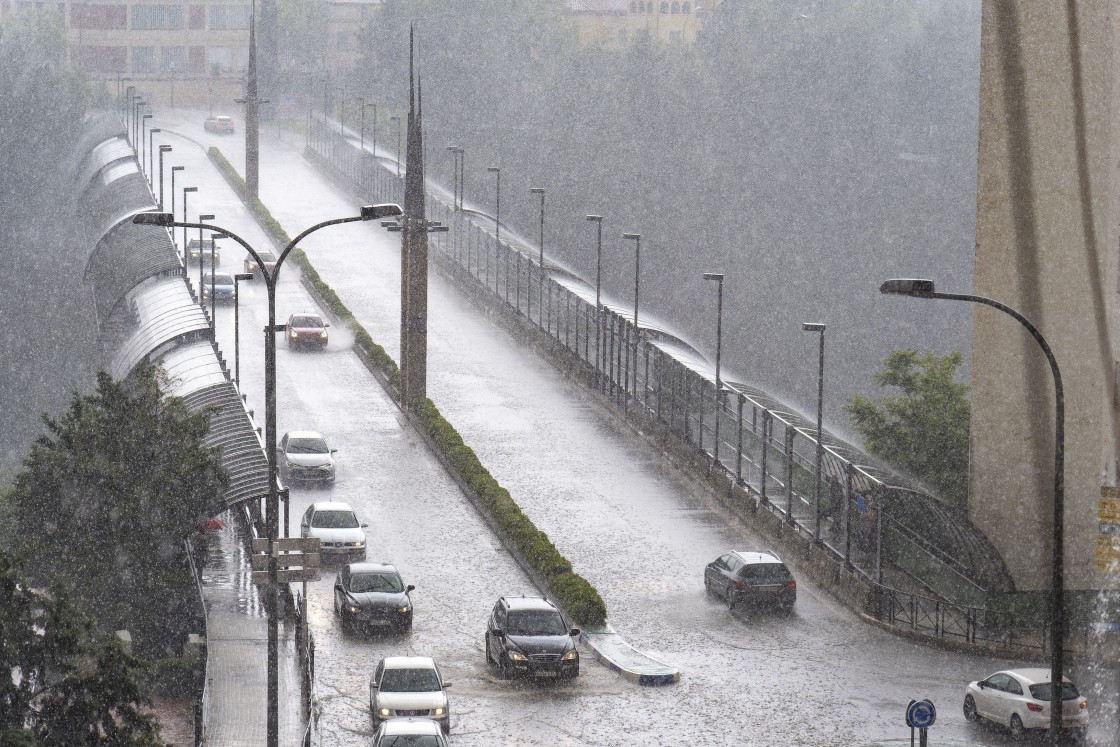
(108, 152)
(127, 255)
(154, 313)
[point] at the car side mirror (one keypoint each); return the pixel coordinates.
(363, 526)
(334, 451)
(499, 634)
(447, 684)
(574, 632)
(326, 324)
(409, 588)
(372, 685)
(981, 684)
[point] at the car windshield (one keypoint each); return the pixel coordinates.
(307, 446)
(267, 256)
(536, 622)
(1041, 691)
(222, 279)
(409, 740)
(334, 520)
(766, 573)
(306, 321)
(206, 244)
(409, 681)
(360, 583)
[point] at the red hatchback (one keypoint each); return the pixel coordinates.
(307, 330)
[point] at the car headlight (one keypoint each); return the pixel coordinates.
(571, 655)
(517, 656)
(293, 334)
(405, 609)
(385, 713)
(357, 544)
(438, 711)
(323, 334)
(353, 608)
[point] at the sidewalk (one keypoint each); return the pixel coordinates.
(237, 647)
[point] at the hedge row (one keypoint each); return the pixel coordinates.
(574, 593)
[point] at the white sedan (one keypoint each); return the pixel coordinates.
(1020, 699)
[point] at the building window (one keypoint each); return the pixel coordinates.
(229, 17)
(623, 37)
(686, 8)
(196, 60)
(143, 59)
(97, 59)
(157, 17)
(633, 6)
(676, 9)
(222, 57)
(101, 17)
(198, 17)
(664, 9)
(172, 60)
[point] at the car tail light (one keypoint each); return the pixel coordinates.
(739, 584)
(1035, 707)
(793, 584)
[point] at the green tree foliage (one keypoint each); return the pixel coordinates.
(58, 687)
(925, 430)
(106, 498)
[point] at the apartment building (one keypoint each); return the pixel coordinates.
(619, 21)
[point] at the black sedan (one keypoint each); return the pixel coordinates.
(372, 596)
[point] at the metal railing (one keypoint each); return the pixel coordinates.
(767, 450)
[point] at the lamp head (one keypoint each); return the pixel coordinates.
(596, 218)
(177, 168)
(146, 116)
(714, 276)
(455, 148)
(155, 130)
(631, 236)
(493, 169)
(916, 287)
(207, 216)
(243, 276)
(189, 189)
(153, 219)
(163, 148)
(536, 190)
(812, 326)
(384, 210)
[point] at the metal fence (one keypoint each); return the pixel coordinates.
(891, 534)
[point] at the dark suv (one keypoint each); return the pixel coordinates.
(528, 636)
(756, 578)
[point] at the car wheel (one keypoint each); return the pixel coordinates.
(505, 669)
(489, 660)
(575, 672)
(1016, 726)
(708, 586)
(970, 713)
(731, 600)
(346, 625)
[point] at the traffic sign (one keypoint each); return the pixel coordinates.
(920, 714)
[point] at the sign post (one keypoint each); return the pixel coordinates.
(920, 715)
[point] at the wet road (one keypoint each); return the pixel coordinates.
(639, 532)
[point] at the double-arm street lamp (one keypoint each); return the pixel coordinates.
(540, 260)
(718, 277)
(368, 212)
(925, 289)
(162, 149)
(818, 327)
(598, 221)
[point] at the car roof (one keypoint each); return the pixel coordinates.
(1033, 675)
(408, 662)
(753, 557)
(315, 314)
(529, 603)
(331, 506)
(372, 567)
(410, 726)
(304, 434)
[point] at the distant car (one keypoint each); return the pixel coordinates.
(410, 732)
(753, 578)
(409, 686)
(1020, 699)
(305, 457)
(220, 124)
(267, 257)
(200, 249)
(372, 595)
(337, 527)
(307, 330)
(225, 291)
(528, 636)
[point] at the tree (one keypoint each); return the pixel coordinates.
(58, 686)
(107, 497)
(924, 431)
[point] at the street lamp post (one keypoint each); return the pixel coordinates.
(201, 278)
(151, 154)
(637, 239)
(162, 149)
(925, 289)
(137, 102)
(186, 190)
(718, 277)
(368, 212)
(497, 172)
(398, 121)
(173, 170)
(362, 138)
(237, 278)
(540, 261)
(143, 136)
(598, 221)
(456, 190)
(819, 327)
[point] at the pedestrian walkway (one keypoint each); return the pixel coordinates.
(237, 648)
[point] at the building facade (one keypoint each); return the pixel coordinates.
(617, 22)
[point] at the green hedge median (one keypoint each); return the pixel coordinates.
(574, 593)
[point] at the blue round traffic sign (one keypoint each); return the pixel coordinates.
(921, 714)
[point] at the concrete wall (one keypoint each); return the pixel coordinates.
(1046, 245)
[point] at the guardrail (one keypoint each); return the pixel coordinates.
(766, 450)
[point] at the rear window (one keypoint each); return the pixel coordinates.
(766, 573)
(1041, 691)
